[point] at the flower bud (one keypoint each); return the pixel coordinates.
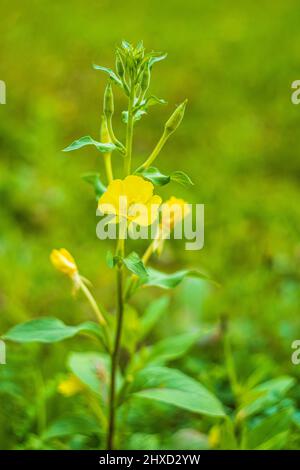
(108, 104)
(145, 82)
(63, 261)
(176, 118)
(119, 66)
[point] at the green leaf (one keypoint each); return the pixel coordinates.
(134, 263)
(87, 140)
(172, 348)
(92, 369)
(136, 117)
(95, 181)
(263, 435)
(175, 388)
(156, 57)
(264, 395)
(152, 314)
(181, 178)
(153, 175)
(70, 425)
(152, 100)
(168, 281)
(48, 330)
(110, 72)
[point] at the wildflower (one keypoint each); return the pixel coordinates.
(173, 211)
(63, 261)
(70, 386)
(131, 199)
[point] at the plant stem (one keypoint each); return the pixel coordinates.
(129, 135)
(108, 167)
(112, 136)
(120, 296)
(100, 316)
(93, 304)
(115, 360)
(155, 152)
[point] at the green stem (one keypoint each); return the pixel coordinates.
(100, 316)
(93, 304)
(129, 135)
(108, 167)
(115, 360)
(155, 152)
(112, 136)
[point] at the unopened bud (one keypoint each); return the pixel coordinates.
(119, 66)
(145, 82)
(176, 118)
(104, 134)
(108, 104)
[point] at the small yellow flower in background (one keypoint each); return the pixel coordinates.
(63, 261)
(70, 386)
(174, 210)
(131, 199)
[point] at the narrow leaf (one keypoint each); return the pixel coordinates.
(181, 178)
(168, 281)
(87, 140)
(110, 72)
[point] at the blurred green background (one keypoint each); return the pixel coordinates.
(235, 62)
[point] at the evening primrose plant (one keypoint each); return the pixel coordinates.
(129, 203)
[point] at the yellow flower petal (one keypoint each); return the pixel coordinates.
(63, 261)
(173, 211)
(122, 197)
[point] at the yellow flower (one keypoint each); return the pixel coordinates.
(63, 261)
(174, 210)
(70, 386)
(131, 199)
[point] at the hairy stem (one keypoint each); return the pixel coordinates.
(115, 360)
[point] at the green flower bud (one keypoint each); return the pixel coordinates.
(119, 66)
(108, 104)
(145, 82)
(176, 118)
